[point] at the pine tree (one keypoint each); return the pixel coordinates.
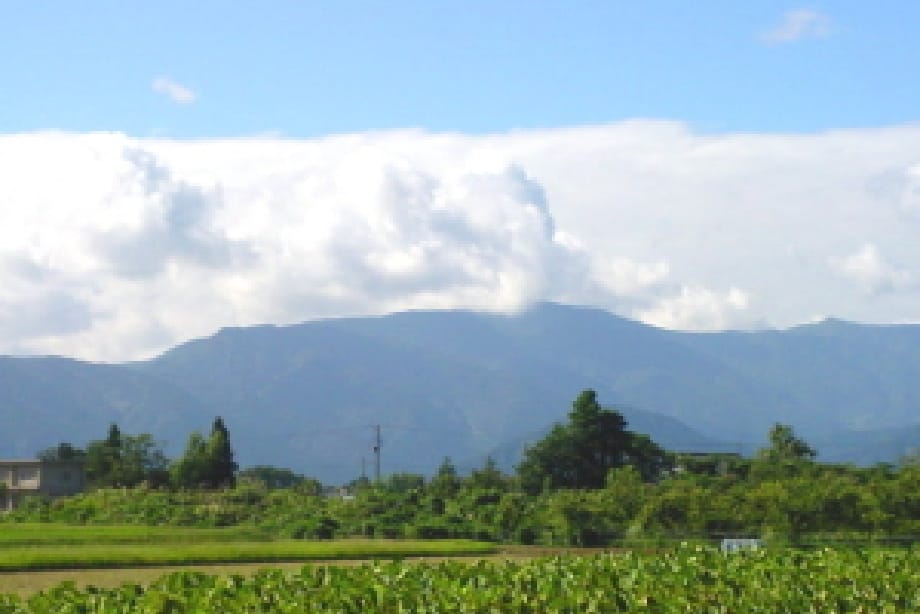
(222, 467)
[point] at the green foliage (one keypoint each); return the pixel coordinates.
(782, 495)
(222, 470)
(403, 482)
(488, 477)
(192, 470)
(786, 446)
(811, 506)
(446, 482)
(122, 460)
(276, 477)
(687, 579)
(206, 463)
(58, 534)
(579, 454)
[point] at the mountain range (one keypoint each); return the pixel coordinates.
(466, 385)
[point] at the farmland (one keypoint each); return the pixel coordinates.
(59, 534)
(556, 499)
(688, 578)
(139, 555)
(56, 546)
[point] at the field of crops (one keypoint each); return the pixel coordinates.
(689, 579)
(95, 556)
(45, 533)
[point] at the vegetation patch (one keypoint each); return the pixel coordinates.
(37, 534)
(19, 558)
(687, 579)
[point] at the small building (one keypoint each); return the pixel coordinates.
(32, 477)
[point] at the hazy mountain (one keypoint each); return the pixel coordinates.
(46, 400)
(465, 384)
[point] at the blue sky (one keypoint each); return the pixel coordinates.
(304, 69)
(168, 168)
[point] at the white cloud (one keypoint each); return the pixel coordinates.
(899, 187)
(172, 222)
(798, 24)
(872, 273)
(113, 247)
(173, 90)
(700, 309)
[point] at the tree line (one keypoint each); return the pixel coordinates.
(590, 481)
(123, 460)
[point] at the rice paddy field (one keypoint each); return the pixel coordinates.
(43, 547)
(43, 533)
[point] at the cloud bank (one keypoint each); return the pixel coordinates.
(116, 248)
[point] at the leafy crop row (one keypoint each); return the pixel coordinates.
(689, 579)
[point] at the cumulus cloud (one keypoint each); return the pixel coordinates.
(796, 25)
(697, 308)
(172, 221)
(172, 89)
(872, 273)
(115, 248)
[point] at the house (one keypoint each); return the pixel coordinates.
(23, 478)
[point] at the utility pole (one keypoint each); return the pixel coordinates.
(363, 469)
(377, 455)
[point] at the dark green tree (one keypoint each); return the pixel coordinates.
(142, 460)
(113, 439)
(579, 454)
(272, 477)
(64, 451)
(488, 476)
(103, 460)
(222, 471)
(786, 446)
(120, 460)
(192, 470)
(445, 482)
(206, 463)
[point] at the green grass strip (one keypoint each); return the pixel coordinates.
(88, 556)
(24, 534)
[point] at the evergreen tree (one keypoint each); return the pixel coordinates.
(222, 470)
(206, 463)
(446, 482)
(580, 453)
(785, 445)
(488, 476)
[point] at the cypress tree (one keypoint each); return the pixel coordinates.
(222, 469)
